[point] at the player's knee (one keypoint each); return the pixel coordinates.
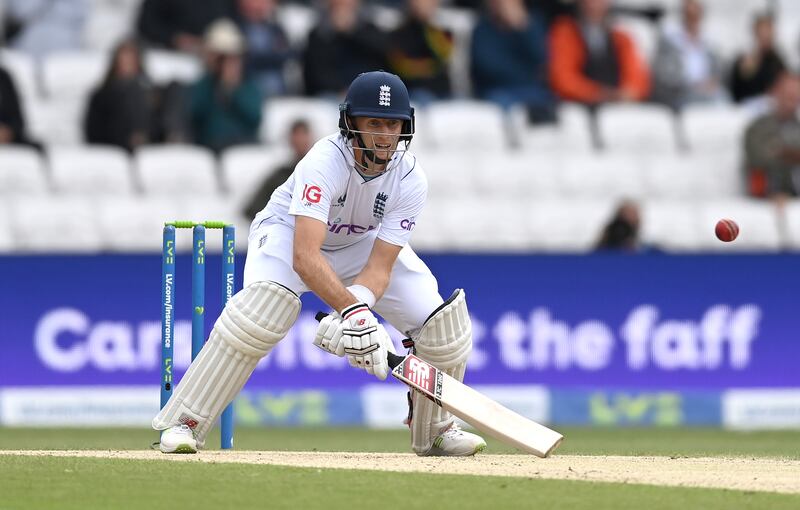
(446, 337)
(258, 317)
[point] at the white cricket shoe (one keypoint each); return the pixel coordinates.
(178, 439)
(454, 442)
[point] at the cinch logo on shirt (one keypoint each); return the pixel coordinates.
(408, 224)
(312, 194)
(348, 228)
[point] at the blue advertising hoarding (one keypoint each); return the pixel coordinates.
(651, 322)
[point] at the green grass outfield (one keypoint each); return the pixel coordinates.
(85, 483)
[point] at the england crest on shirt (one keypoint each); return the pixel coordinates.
(380, 205)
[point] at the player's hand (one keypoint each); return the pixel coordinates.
(365, 341)
(329, 334)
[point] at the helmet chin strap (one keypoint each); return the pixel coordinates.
(369, 153)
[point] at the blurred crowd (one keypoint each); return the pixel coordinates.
(535, 54)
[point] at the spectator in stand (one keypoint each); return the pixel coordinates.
(509, 59)
(343, 45)
(591, 62)
(300, 141)
(179, 24)
(39, 27)
(420, 52)
(622, 231)
(224, 106)
(772, 144)
(754, 72)
(685, 69)
(268, 48)
(12, 121)
(120, 108)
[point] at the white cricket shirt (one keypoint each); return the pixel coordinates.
(326, 186)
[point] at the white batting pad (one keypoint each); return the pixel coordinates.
(252, 323)
(444, 341)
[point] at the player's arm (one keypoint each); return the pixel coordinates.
(311, 266)
(376, 273)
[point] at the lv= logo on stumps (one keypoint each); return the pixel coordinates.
(198, 301)
(473, 407)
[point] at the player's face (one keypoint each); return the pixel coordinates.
(380, 135)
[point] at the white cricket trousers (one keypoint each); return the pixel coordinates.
(412, 294)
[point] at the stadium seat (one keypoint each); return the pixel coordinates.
(467, 125)
(176, 170)
(714, 127)
(73, 74)
(164, 67)
(757, 219)
(571, 134)
(497, 226)
(7, 243)
(244, 168)
(670, 225)
(21, 172)
(601, 175)
(429, 234)
(219, 209)
(91, 170)
(297, 20)
(55, 224)
(135, 224)
(567, 225)
(22, 68)
(280, 113)
(637, 128)
(791, 221)
(518, 176)
(108, 19)
(58, 121)
(449, 173)
(693, 175)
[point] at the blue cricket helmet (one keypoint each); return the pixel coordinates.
(377, 94)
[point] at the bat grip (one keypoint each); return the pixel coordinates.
(391, 357)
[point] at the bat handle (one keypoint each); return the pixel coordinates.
(391, 357)
(394, 359)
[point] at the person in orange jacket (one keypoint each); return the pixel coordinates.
(591, 62)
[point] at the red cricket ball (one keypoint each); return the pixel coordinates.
(726, 230)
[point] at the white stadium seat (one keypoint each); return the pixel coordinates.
(55, 224)
(518, 175)
(91, 170)
(757, 220)
(602, 175)
(714, 128)
(22, 68)
(791, 224)
(693, 175)
(297, 21)
(245, 167)
(21, 172)
(58, 121)
(279, 114)
(73, 74)
(176, 170)
(671, 225)
(449, 173)
(568, 225)
(164, 67)
(637, 128)
(135, 224)
(570, 135)
(6, 234)
(498, 225)
(108, 21)
(466, 125)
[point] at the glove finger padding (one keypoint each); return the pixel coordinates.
(329, 335)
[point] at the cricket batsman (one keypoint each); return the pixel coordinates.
(338, 227)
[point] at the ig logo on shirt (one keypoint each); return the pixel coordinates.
(312, 194)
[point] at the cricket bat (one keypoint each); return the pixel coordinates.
(472, 406)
